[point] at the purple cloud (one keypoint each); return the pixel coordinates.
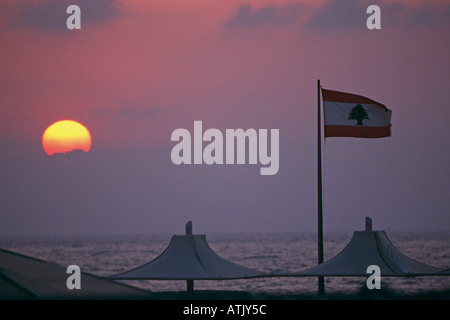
(351, 15)
(51, 15)
(246, 16)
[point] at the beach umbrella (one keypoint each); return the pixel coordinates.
(188, 257)
(368, 248)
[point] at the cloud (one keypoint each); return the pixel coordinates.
(99, 113)
(425, 14)
(348, 14)
(246, 16)
(51, 15)
(128, 112)
(351, 15)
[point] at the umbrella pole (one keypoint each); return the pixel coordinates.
(190, 285)
(321, 283)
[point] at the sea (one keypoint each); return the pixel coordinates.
(273, 252)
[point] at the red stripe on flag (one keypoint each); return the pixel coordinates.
(337, 96)
(357, 131)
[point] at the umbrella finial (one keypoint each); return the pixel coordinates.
(368, 224)
(189, 228)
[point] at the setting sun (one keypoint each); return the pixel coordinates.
(65, 136)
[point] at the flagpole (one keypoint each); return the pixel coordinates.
(321, 284)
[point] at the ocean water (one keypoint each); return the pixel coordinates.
(276, 252)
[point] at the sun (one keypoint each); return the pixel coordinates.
(65, 136)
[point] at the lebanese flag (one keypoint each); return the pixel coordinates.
(351, 115)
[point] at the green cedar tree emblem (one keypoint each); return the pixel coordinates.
(358, 113)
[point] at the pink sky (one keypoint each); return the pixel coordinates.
(137, 70)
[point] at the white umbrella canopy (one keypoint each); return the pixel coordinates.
(188, 257)
(369, 248)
